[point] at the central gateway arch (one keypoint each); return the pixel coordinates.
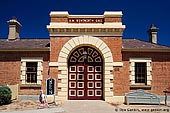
(96, 67)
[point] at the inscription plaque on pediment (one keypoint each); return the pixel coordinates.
(86, 20)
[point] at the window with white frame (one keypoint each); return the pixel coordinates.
(31, 70)
(140, 71)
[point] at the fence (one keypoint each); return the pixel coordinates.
(14, 89)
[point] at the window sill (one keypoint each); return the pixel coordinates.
(30, 86)
(145, 87)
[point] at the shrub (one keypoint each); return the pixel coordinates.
(5, 95)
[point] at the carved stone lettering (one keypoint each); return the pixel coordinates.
(85, 20)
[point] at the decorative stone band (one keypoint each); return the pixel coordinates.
(88, 31)
(117, 64)
(66, 14)
(108, 24)
(53, 64)
(114, 64)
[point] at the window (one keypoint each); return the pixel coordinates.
(140, 72)
(31, 72)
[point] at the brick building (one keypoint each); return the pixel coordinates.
(85, 58)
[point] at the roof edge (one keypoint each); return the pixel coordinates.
(145, 41)
(20, 50)
(145, 50)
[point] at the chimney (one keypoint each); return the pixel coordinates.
(152, 32)
(14, 29)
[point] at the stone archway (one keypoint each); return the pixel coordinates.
(62, 64)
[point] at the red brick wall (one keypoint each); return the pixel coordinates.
(59, 19)
(115, 45)
(112, 19)
(161, 76)
(56, 45)
(54, 74)
(10, 69)
(45, 74)
(121, 79)
(160, 72)
(9, 72)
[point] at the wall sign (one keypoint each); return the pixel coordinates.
(50, 86)
(85, 20)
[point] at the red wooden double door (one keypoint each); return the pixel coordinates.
(85, 74)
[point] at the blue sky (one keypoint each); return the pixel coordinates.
(138, 15)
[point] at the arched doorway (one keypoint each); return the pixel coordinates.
(85, 74)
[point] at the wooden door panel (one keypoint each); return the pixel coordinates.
(85, 75)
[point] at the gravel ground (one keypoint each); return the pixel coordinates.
(22, 105)
(32, 106)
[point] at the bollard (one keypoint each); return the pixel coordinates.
(166, 91)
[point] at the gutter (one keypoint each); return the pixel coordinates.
(144, 50)
(22, 50)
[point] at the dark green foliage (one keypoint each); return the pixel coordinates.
(5, 95)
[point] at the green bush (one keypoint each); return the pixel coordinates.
(5, 95)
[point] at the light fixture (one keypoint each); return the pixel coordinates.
(85, 54)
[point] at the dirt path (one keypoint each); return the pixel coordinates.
(22, 105)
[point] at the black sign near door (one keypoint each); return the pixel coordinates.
(50, 85)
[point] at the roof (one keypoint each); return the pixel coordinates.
(139, 45)
(44, 44)
(25, 44)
